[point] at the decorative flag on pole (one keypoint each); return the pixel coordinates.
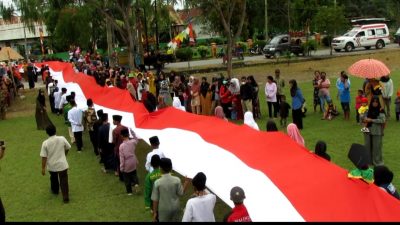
(41, 39)
(187, 33)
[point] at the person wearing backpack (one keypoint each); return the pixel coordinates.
(89, 118)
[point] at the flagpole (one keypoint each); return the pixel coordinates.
(11, 71)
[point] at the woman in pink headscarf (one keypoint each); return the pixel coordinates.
(294, 134)
(219, 113)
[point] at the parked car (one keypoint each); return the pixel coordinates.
(366, 36)
(397, 36)
(281, 44)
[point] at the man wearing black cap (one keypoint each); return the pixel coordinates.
(89, 119)
(117, 140)
(105, 148)
(155, 143)
(166, 192)
(239, 212)
(201, 207)
(96, 127)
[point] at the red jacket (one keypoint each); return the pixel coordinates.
(239, 214)
(225, 95)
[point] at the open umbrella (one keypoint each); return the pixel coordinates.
(7, 53)
(369, 68)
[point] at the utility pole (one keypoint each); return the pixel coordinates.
(25, 45)
(266, 20)
(288, 15)
(156, 18)
(145, 28)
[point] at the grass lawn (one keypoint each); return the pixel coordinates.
(101, 197)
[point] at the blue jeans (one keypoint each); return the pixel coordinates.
(324, 98)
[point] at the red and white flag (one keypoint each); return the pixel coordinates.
(282, 180)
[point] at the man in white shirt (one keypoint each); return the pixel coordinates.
(63, 101)
(201, 207)
(57, 100)
(155, 143)
(53, 153)
(387, 93)
(75, 117)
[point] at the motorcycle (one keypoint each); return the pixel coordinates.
(256, 50)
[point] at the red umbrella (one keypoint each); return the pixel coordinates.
(369, 68)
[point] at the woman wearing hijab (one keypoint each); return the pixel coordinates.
(219, 113)
(320, 150)
(294, 134)
(205, 97)
(195, 93)
(271, 126)
(42, 119)
(297, 104)
(249, 120)
(176, 103)
(234, 88)
(376, 120)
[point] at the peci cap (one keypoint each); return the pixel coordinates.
(117, 118)
(100, 112)
(237, 194)
(199, 181)
(358, 154)
(154, 141)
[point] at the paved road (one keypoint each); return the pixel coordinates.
(261, 58)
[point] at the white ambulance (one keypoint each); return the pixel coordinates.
(367, 36)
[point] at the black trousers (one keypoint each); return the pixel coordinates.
(275, 106)
(2, 213)
(298, 118)
(93, 139)
(130, 179)
(78, 140)
(227, 111)
(57, 180)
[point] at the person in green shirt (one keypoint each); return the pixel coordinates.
(66, 108)
(150, 179)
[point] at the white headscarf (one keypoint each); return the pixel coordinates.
(234, 88)
(249, 120)
(176, 103)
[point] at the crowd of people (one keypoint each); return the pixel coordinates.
(225, 98)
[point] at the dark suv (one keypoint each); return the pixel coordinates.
(280, 44)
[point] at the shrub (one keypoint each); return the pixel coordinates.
(203, 51)
(184, 54)
(260, 43)
(243, 45)
(326, 39)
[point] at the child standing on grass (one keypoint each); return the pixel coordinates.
(397, 103)
(363, 111)
(284, 111)
(359, 97)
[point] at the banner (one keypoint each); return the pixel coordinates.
(282, 180)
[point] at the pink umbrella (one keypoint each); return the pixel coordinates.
(369, 68)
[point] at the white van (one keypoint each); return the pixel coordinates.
(365, 36)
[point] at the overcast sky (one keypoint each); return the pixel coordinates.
(6, 2)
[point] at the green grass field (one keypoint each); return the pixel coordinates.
(101, 197)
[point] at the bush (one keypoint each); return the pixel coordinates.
(203, 51)
(243, 45)
(184, 54)
(200, 42)
(326, 39)
(260, 43)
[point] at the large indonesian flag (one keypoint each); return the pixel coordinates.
(282, 180)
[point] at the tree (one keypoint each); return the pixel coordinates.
(330, 20)
(226, 15)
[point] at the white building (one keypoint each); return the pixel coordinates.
(13, 33)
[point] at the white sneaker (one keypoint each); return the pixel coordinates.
(129, 194)
(137, 189)
(365, 130)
